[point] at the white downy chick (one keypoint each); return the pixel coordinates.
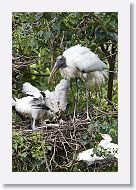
(26, 105)
(90, 157)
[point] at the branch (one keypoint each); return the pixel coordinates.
(101, 24)
(45, 157)
(40, 75)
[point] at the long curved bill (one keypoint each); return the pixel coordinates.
(52, 72)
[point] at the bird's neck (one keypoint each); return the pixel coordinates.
(103, 143)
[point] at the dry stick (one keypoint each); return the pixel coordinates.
(71, 163)
(45, 157)
(104, 112)
(64, 149)
(44, 126)
(109, 56)
(53, 155)
(49, 125)
(61, 42)
(74, 132)
(40, 75)
(64, 138)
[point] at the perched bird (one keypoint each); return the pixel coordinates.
(79, 61)
(25, 107)
(41, 104)
(89, 156)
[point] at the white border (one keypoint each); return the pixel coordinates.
(120, 177)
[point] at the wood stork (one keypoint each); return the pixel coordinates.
(41, 104)
(90, 157)
(25, 107)
(57, 99)
(79, 61)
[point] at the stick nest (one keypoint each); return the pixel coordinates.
(66, 138)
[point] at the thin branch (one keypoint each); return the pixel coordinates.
(40, 75)
(62, 42)
(45, 157)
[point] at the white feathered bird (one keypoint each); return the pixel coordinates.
(90, 157)
(79, 61)
(57, 100)
(32, 105)
(25, 107)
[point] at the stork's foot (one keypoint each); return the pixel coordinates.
(88, 119)
(74, 118)
(33, 128)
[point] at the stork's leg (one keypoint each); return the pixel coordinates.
(76, 100)
(33, 123)
(87, 95)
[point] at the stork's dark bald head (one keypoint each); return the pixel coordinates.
(60, 62)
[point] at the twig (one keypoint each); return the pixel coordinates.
(53, 155)
(40, 75)
(107, 113)
(64, 149)
(45, 157)
(61, 42)
(109, 56)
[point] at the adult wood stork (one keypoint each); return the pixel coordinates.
(79, 61)
(89, 156)
(41, 104)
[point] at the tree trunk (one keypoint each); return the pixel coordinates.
(111, 61)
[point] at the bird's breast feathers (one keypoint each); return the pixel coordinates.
(68, 72)
(23, 105)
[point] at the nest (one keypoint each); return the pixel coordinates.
(65, 136)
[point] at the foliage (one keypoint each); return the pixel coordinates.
(38, 38)
(29, 153)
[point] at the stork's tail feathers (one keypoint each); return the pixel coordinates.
(98, 77)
